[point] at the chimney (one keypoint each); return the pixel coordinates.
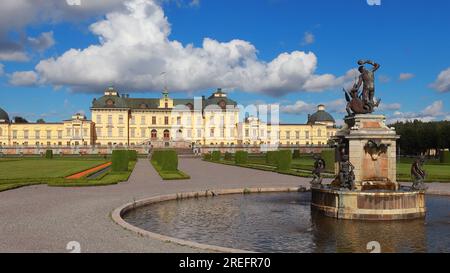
(321, 107)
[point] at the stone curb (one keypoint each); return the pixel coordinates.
(117, 214)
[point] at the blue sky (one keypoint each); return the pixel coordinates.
(410, 39)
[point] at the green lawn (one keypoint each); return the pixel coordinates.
(177, 175)
(18, 172)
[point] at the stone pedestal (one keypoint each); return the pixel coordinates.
(371, 148)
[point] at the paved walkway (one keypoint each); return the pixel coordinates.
(44, 219)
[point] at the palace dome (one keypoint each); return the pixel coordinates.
(3, 116)
(321, 116)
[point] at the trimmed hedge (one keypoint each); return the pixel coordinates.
(444, 157)
(284, 160)
(49, 154)
(241, 157)
(296, 154)
(120, 160)
(271, 157)
(132, 155)
(166, 159)
(228, 156)
(328, 155)
(215, 156)
(207, 156)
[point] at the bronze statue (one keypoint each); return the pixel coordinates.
(418, 174)
(319, 167)
(346, 174)
(363, 103)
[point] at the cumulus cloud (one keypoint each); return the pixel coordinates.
(442, 83)
(134, 49)
(24, 78)
(389, 106)
(405, 76)
(429, 113)
(42, 42)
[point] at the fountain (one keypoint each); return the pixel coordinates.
(365, 186)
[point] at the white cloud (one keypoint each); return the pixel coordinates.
(13, 55)
(405, 76)
(429, 113)
(42, 42)
(308, 38)
(24, 78)
(389, 106)
(442, 83)
(194, 3)
(384, 79)
(301, 107)
(2, 69)
(134, 49)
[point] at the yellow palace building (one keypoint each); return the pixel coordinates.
(121, 121)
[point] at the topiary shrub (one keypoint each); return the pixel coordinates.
(271, 157)
(296, 154)
(169, 161)
(284, 160)
(132, 155)
(241, 157)
(444, 157)
(228, 156)
(207, 156)
(120, 161)
(49, 154)
(328, 155)
(215, 156)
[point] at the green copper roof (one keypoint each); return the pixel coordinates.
(320, 116)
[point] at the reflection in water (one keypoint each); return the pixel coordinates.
(284, 222)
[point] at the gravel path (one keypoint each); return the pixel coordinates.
(44, 219)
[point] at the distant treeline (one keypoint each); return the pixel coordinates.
(417, 137)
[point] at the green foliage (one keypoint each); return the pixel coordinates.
(296, 154)
(120, 161)
(49, 154)
(166, 159)
(284, 160)
(228, 156)
(271, 157)
(445, 157)
(241, 157)
(418, 137)
(328, 155)
(215, 156)
(132, 155)
(207, 156)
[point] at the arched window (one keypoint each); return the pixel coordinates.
(166, 134)
(154, 134)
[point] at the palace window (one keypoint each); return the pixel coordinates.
(110, 119)
(319, 133)
(37, 134)
(153, 120)
(199, 132)
(121, 132)
(142, 120)
(211, 132)
(49, 134)
(133, 132)
(166, 120)
(14, 133)
(60, 133)
(189, 133)
(288, 134)
(110, 131)
(77, 133)
(85, 132)
(154, 134)
(246, 132)
(99, 119)
(143, 132)
(133, 120)
(307, 134)
(297, 134)
(25, 134)
(178, 120)
(231, 132)
(120, 119)
(166, 134)
(199, 120)
(99, 132)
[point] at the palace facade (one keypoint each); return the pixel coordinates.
(118, 120)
